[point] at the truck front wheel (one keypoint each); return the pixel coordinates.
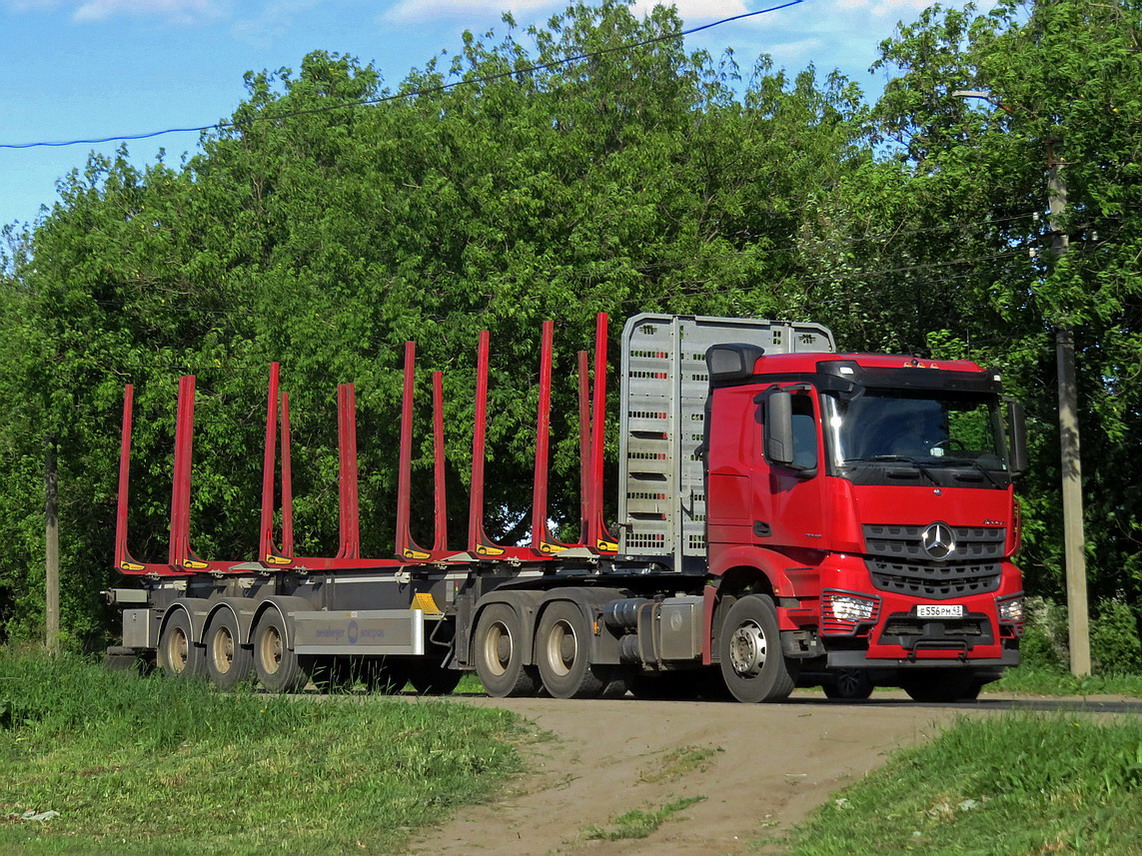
(749, 647)
(499, 654)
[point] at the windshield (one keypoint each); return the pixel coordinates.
(928, 428)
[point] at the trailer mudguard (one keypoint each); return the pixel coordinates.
(197, 610)
(286, 605)
(244, 612)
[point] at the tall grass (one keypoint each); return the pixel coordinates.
(1051, 680)
(1011, 786)
(148, 765)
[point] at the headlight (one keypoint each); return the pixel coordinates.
(841, 612)
(851, 608)
(1011, 609)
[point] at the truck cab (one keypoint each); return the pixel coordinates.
(877, 495)
(866, 500)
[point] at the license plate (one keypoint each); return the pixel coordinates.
(940, 610)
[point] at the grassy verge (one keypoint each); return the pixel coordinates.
(1010, 786)
(156, 766)
(1046, 681)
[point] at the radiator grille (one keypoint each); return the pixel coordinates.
(898, 562)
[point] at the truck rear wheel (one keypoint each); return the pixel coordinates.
(749, 646)
(500, 654)
(563, 646)
(278, 667)
(228, 663)
(179, 657)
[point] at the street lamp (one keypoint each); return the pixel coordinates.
(1074, 554)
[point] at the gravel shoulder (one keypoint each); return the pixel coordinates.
(759, 769)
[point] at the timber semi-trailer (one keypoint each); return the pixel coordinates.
(785, 513)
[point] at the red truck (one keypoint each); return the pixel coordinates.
(786, 515)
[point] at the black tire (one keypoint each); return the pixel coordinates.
(228, 661)
(178, 656)
(499, 654)
(279, 669)
(753, 665)
(848, 685)
(563, 654)
(385, 675)
(429, 677)
(331, 674)
(942, 685)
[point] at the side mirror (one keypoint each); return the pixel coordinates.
(728, 363)
(779, 428)
(1017, 424)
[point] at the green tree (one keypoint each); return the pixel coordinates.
(950, 226)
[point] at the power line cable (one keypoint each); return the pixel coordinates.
(426, 91)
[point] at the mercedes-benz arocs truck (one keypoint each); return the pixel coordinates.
(786, 514)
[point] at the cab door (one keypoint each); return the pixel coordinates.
(787, 494)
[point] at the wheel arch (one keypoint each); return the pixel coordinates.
(243, 615)
(526, 604)
(588, 600)
(195, 609)
(285, 606)
(734, 583)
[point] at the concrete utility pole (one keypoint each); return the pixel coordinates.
(1074, 538)
(51, 546)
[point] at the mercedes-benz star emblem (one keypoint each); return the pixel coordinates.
(938, 541)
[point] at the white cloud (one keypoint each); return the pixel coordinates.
(172, 11)
(273, 21)
(419, 11)
(693, 10)
(794, 52)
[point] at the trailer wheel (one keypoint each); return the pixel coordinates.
(386, 675)
(848, 684)
(331, 674)
(499, 654)
(563, 646)
(940, 685)
(278, 667)
(228, 663)
(749, 646)
(179, 657)
(431, 678)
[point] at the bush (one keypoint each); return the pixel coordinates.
(1044, 644)
(1116, 647)
(1114, 644)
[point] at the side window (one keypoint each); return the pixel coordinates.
(791, 440)
(804, 434)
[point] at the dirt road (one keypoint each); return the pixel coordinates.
(758, 768)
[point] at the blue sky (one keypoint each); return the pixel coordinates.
(72, 69)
